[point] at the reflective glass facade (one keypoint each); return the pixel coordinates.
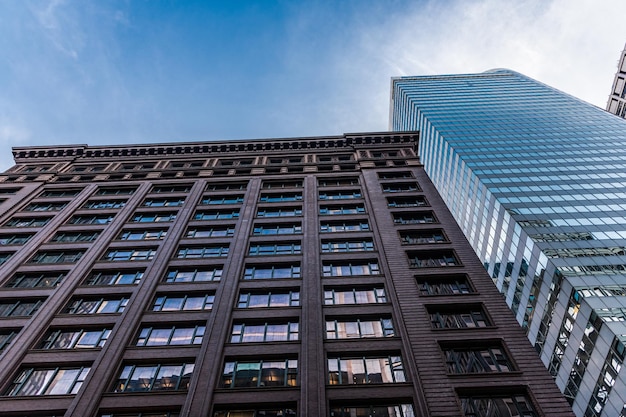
(537, 181)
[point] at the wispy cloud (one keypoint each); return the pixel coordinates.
(60, 29)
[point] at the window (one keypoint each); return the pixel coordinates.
(153, 217)
(227, 186)
(463, 317)
(282, 184)
(402, 187)
(75, 339)
(432, 259)
(57, 257)
(19, 308)
(421, 217)
(48, 381)
(5, 257)
(36, 279)
(280, 198)
(394, 175)
(114, 278)
(116, 191)
(357, 329)
(163, 377)
(262, 373)
(507, 406)
(96, 305)
(395, 410)
(347, 246)
(347, 226)
(6, 336)
(479, 359)
(401, 202)
(15, 239)
(194, 275)
(339, 210)
(104, 204)
(279, 212)
(27, 222)
(65, 237)
(118, 255)
(354, 296)
(337, 182)
(222, 199)
(340, 195)
(171, 188)
(192, 252)
(183, 302)
(189, 164)
(204, 232)
(163, 202)
(148, 414)
(277, 229)
(51, 193)
(284, 248)
(349, 269)
(216, 215)
(421, 237)
(258, 412)
(264, 332)
(102, 219)
(365, 370)
(88, 168)
(444, 285)
(170, 336)
(52, 206)
(272, 272)
(269, 299)
(136, 234)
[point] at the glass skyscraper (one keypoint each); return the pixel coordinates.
(537, 181)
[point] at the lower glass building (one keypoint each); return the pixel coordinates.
(537, 181)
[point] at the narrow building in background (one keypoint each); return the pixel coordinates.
(617, 98)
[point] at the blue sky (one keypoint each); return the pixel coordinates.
(133, 71)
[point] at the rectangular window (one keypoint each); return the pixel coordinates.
(337, 182)
(116, 191)
(75, 339)
(96, 305)
(402, 187)
(272, 272)
(35, 279)
(163, 202)
(195, 275)
(5, 257)
(340, 195)
(161, 377)
(280, 198)
(170, 336)
(216, 215)
(227, 186)
(460, 318)
(402, 202)
(204, 232)
(222, 199)
(236, 411)
(48, 381)
(387, 410)
(350, 269)
(479, 359)
(421, 237)
(331, 246)
(482, 406)
(260, 374)
(51, 193)
(282, 184)
(192, 252)
(348, 296)
(269, 299)
(391, 175)
(279, 212)
(365, 370)
(444, 285)
(341, 210)
(284, 248)
(357, 329)
(347, 226)
(19, 308)
(153, 217)
(420, 217)
(103, 219)
(119, 255)
(183, 302)
(27, 222)
(432, 259)
(136, 234)
(68, 237)
(52, 206)
(56, 257)
(104, 204)
(264, 332)
(15, 239)
(6, 336)
(277, 229)
(114, 278)
(177, 188)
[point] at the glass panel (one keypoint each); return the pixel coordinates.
(182, 336)
(63, 381)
